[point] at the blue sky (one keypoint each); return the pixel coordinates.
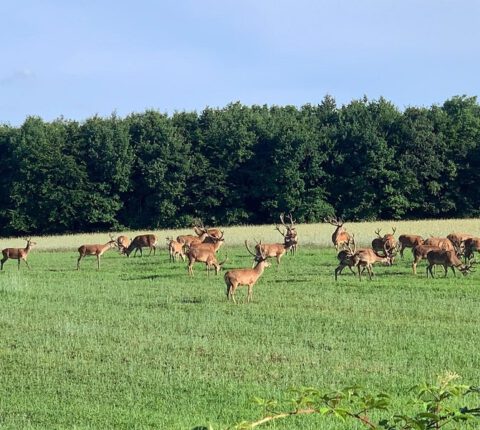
(82, 58)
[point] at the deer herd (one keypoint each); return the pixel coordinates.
(203, 246)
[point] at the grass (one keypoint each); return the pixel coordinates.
(141, 345)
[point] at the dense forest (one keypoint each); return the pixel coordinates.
(241, 164)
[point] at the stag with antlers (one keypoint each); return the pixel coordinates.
(248, 277)
(366, 258)
(446, 259)
(18, 253)
(290, 234)
(340, 238)
(385, 244)
(346, 258)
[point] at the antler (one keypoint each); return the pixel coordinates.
(334, 221)
(292, 222)
(281, 232)
(377, 232)
(248, 249)
(393, 230)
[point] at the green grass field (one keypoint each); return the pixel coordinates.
(139, 344)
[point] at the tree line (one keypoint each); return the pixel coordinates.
(240, 164)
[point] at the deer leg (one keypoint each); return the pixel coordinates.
(26, 262)
(78, 262)
(3, 261)
(429, 269)
(414, 267)
(370, 272)
(338, 271)
(98, 262)
(250, 293)
(19, 263)
(445, 268)
(359, 273)
(453, 270)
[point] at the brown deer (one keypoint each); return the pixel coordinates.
(123, 242)
(189, 239)
(446, 259)
(271, 250)
(409, 241)
(199, 229)
(96, 249)
(175, 249)
(340, 237)
(142, 241)
(204, 254)
(18, 253)
(346, 259)
(290, 234)
(366, 258)
(458, 240)
(237, 277)
(214, 243)
(471, 244)
(387, 242)
(420, 253)
(441, 242)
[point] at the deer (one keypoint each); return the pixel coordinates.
(471, 244)
(96, 249)
(248, 277)
(140, 242)
(345, 258)
(18, 253)
(188, 239)
(366, 258)
(340, 237)
(387, 242)
(290, 234)
(175, 249)
(271, 250)
(204, 253)
(214, 243)
(420, 253)
(123, 242)
(441, 242)
(409, 241)
(199, 229)
(446, 259)
(458, 240)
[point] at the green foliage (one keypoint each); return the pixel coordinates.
(365, 160)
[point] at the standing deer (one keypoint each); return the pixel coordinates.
(458, 240)
(340, 237)
(471, 245)
(204, 254)
(441, 242)
(271, 250)
(409, 241)
(140, 242)
(199, 229)
(189, 239)
(18, 253)
(96, 249)
(366, 258)
(420, 253)
(387, 242)
(175, 249)
(346, 259)
(290, 234)
(446, 259)
(237, 277)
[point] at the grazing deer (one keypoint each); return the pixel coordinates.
(346, 259)
(446, 259)
(18, 253)
(271, 250)
(471, 244)
(140, 242)
(441, 242)
(366, 258)
(204, 254)
(290, 235)
(458, 240)
(409, 241)
(237, 277)
(420, 253)
(340, 237)
(175, 249)
(96, 249)
(123, 242)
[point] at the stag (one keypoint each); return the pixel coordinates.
(96, 249)
(189, 239)
(204, 253)
(441, 242)
(446, 259)
(409, 241)
(420, 253)
(142, 241)
(290, 234)
(271, 250)
(237, 277)
(340, 237)
(175, 249)
(18, 253)
(346, 259)
(200, 229)
(366, 258)
(458, 241)
(387, 242)
(472, 244)
(123, 242)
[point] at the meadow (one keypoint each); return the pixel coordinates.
(139, 344)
